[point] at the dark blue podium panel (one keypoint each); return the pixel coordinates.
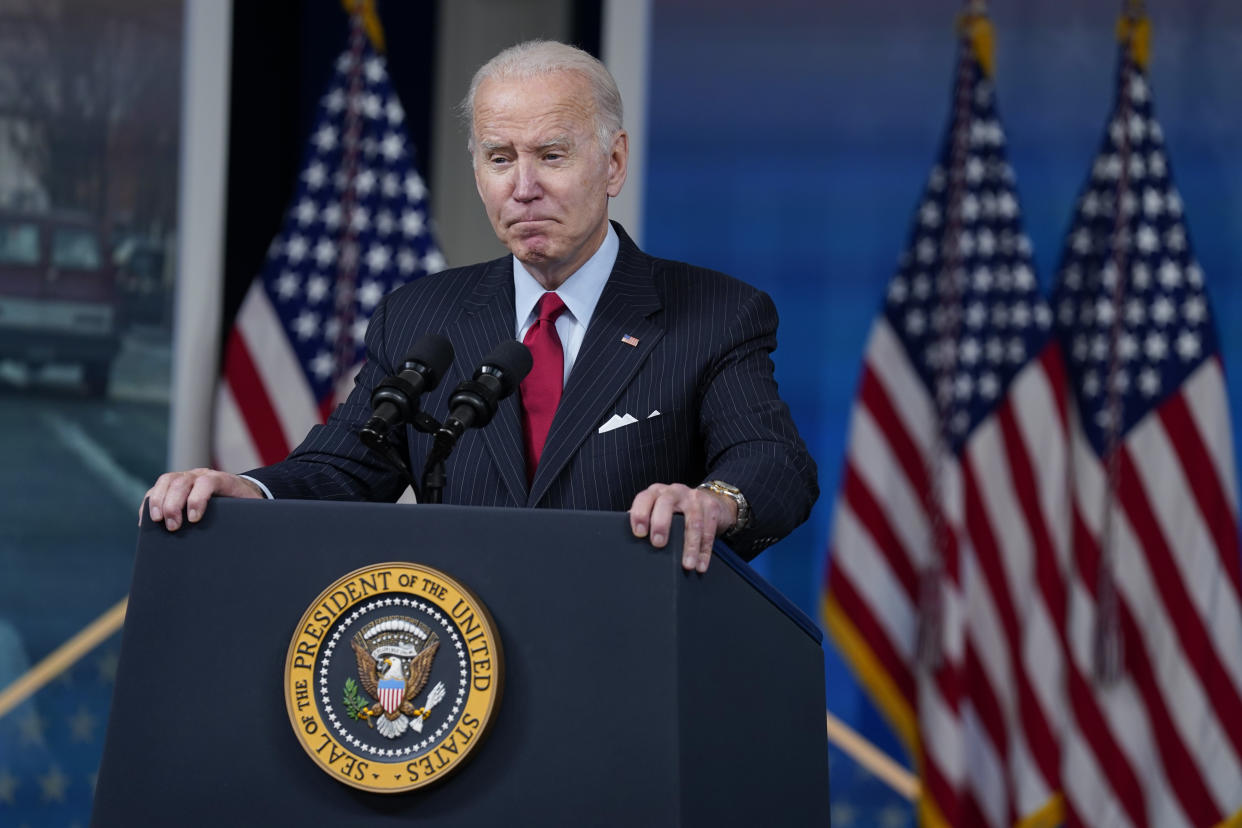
(635, 694)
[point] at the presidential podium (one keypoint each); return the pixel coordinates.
(634, 693)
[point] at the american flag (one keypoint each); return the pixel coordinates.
(1154, 731)
(357, 228)
(944, 589)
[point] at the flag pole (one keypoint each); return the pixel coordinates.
(63, 657)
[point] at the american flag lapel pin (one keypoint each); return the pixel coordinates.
(630, 340)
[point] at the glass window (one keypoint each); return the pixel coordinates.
(19, 243)
(75, 247)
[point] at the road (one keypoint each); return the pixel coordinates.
(72, 473)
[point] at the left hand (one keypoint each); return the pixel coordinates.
(708, 516)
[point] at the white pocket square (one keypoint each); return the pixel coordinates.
(617, 421)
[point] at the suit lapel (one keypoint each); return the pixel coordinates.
(487, 320)
(605, 364)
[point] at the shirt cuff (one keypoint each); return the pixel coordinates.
(267, 493)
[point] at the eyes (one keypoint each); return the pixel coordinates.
(555, 155)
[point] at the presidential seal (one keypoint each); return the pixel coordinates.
(393, 677)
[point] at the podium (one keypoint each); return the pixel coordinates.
(635, 694)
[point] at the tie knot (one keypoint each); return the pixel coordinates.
(550, 306)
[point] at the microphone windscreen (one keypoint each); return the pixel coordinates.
(513, 361)
(435, 352)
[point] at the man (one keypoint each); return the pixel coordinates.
(668, 403)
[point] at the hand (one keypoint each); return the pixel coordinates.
(190, 490)
(708, 515)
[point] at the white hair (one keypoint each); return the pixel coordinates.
(541, 57)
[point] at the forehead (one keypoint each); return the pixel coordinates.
(512, 107)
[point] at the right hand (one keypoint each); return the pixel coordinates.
(190, 490)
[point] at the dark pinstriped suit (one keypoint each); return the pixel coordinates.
(701, 361)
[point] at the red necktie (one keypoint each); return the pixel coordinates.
(541, 390)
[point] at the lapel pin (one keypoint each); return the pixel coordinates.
(632, 341)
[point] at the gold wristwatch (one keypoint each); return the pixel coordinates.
(735, 494)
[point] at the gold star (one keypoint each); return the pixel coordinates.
(107, 666)
(54, 783)
(8, 786)
(82, 725)
(31, 728)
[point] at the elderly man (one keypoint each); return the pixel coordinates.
(652, 387)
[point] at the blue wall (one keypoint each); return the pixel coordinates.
(790, 140)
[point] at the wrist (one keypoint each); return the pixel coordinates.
(740, 507)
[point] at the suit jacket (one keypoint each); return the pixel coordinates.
(701, 361)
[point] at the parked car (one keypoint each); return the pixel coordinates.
(57, 294)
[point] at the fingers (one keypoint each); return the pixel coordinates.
(189, 491)
(651, 514)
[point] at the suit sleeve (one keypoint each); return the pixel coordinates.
(332, 463)
(749, 436)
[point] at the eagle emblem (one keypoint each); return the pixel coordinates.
(394, 656)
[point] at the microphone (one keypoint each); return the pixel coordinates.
(395, 400)
(474, 401)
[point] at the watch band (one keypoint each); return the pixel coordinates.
(735, 494)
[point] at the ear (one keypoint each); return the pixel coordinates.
(618, 161)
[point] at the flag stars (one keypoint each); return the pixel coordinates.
(1090, 383)
(1149, 382)
(296, 249)
(316, 176)
(897, 290)
(360, 219)
(976, 315)
(415, 190)
(1146, 239)
(378, 257)
(1156, 164)
(364, 182)
(334, 101)
(1153, 202)
(331, 215)
(53, 785)
(989, 386)
(925, 252)
(922, 287)
(317, 287)
(287, 285)
(370, 294)
(1194, 310)
(412, 223)
(974, 171)
(371, 105)
(325, 138)
(407, 262)
(1156, 347)
(305, 212)
(1104, 311)
(392, 146)
(374, 69)
(1188, 346)
(1127, 346)
(1140, 276)
(969, 208)
(82, 725)
(929, 214)
(306, 325)
(1169, 274)
(1162, 311)
(916, 322)
(393, 111)
(325, 252)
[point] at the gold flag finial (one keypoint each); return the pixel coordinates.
(370, 20)
(1134, 32)
(973, 24)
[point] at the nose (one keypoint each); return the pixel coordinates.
(526, 187)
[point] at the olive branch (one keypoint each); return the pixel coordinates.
(354, 701)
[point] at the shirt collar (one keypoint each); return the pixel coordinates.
(580, 292)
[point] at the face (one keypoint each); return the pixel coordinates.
(543, 177)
